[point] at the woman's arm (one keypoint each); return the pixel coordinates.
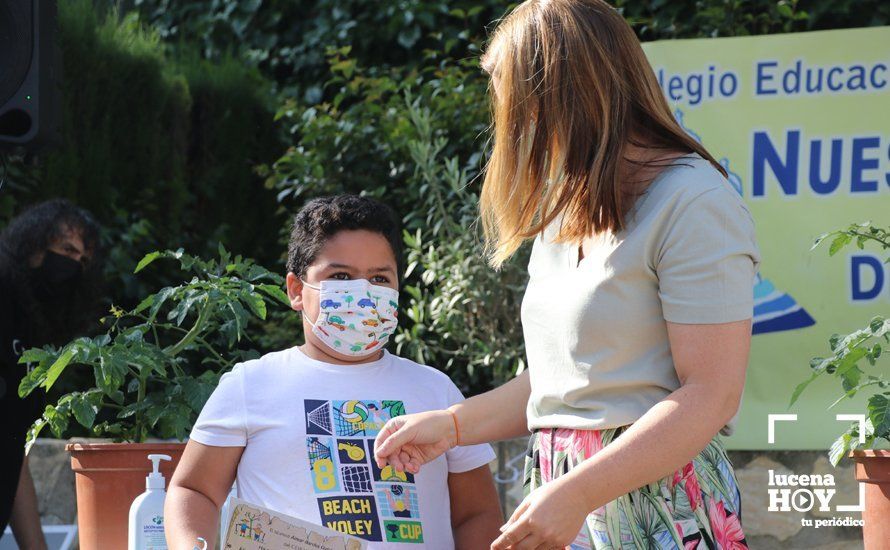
(409, 441)
(475, 508)
(710, 361)
(199, 488)
(494, 415)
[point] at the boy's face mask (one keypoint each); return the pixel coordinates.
(355, 317)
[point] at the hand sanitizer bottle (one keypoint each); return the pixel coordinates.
(146, 531)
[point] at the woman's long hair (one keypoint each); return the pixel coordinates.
(570, 89)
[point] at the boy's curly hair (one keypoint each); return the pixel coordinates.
(322, 218)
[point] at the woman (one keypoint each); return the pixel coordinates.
(637, 315)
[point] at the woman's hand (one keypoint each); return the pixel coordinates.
(407, 442)
(550, 517)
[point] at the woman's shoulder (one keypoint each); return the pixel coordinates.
(690, 178)
(692, 186)
(546, 251)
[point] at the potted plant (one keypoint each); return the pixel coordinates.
(153, 369)
(846, 362)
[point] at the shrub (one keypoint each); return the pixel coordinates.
(462, 315)
(855, 359)
(125, 120)
(288, 39)
(161, 149)
(231, 131)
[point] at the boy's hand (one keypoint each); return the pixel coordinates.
(407, 442)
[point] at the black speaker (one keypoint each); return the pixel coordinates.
(30, 73)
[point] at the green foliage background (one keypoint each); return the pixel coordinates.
(152, 370)
(160, 145)
(194, 122)
(854, 359)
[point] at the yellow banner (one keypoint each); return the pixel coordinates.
(802, 124)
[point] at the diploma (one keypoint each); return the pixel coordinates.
(252, 527)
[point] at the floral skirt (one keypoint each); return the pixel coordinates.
(698, 507)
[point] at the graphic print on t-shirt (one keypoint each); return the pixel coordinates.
(318, 417)
(322, 465)
(354, 495)
(388, 473)
(363, 418)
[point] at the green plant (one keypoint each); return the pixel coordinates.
(463, 315)
(849, 351)
(157, 364)
(356, 140)
(287, 40)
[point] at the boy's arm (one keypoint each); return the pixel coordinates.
(198, 490)
(475, 509)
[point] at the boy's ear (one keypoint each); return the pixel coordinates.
(294, 291)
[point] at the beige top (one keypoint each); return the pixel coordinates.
(596, 331)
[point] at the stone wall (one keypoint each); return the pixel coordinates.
(765, 530)
(54, 482)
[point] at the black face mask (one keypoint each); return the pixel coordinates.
(55, 273)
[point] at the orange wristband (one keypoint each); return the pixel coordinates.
(456, 428)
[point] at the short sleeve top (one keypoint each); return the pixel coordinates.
(596, 330)
(308, 430)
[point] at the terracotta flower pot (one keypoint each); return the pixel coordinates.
(108, 476)
(873, 469)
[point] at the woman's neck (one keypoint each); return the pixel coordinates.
(641, 164)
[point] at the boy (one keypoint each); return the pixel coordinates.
(298, 426)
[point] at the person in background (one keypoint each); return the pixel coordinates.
(49, 281)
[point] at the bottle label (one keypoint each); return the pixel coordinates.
(153, 534)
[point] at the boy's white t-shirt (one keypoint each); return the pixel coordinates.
(308, 429)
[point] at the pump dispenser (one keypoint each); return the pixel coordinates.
(155, 480)
(146, 527)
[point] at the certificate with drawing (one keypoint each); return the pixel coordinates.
(252, 527)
